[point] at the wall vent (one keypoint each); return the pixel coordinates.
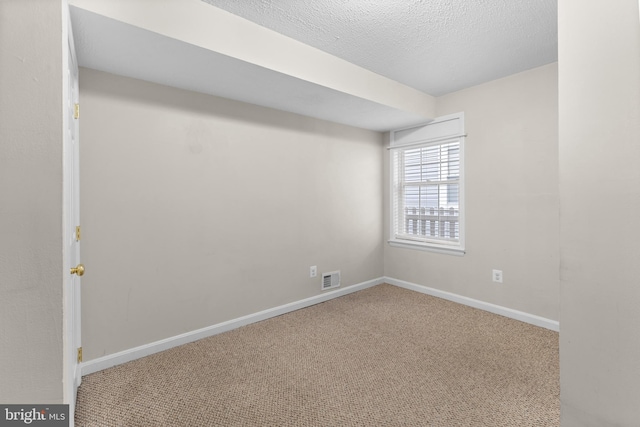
(330, 280)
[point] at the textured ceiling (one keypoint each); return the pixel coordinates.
(119, 48)
(436, 46)
(299, 55)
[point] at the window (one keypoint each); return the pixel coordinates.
(427, 186)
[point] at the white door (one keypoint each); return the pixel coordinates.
(72, 228)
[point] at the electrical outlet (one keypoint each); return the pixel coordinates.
(313, 271)
(497, 276)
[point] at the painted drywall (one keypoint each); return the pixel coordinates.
(220, 32)
(599, 96)
(511, 167)
(198, 210)
(31, 266)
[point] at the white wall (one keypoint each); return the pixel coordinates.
(599, 57)
(31, 267)
(511, 198)
(198, 210)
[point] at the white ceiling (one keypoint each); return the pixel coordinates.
(119, 48)
(434, 46)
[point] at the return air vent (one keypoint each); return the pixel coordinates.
(330, 280)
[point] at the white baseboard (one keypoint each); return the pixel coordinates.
(111, 360)
(492, 308)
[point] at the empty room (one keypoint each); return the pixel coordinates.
(278, 212)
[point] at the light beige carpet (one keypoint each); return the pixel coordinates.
(384, 356)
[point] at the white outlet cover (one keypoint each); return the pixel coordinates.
(497, 276)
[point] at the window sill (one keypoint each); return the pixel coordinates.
(427, 247)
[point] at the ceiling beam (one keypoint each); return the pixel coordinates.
(204, 26)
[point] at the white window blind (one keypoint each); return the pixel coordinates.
(427, 183)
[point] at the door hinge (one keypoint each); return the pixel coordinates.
(79, 354)
(77, 233)
(76, 111)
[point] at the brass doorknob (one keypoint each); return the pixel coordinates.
(79, 270)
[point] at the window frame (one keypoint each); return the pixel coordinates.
(441, 131)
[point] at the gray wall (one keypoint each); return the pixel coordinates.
(511, 166)
(31, 264)
(198, 210)
(599, 56)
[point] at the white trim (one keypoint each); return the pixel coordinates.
(440, 249)
(426, 142)
(436, 137)
(441, 119)
(111, 360)
(532, 319)
(441, 134)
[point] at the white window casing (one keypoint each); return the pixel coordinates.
(427, 186)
